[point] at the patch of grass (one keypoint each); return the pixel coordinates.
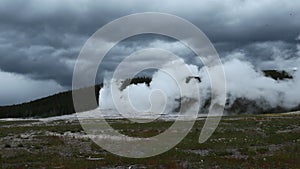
(248, 151)
(51, 140)
(7, 146)
(262, 150)
(20, 145)
(222, 153)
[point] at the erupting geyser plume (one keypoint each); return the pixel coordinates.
(157, 98)
(245, 84)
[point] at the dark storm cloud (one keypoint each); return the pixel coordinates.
(41, 39)
(139, 42)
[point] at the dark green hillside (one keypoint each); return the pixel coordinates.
(55, 105)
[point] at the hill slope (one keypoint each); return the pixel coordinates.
(55, 105)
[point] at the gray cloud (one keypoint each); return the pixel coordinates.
(16, 89)
(41, 39)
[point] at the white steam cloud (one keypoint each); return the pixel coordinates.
(157, 98)
(243, 80)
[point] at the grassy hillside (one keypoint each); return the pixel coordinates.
(55, 105)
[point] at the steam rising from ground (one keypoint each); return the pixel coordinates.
(167, 86)
(243, 80)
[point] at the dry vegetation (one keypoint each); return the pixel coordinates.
(262, 141)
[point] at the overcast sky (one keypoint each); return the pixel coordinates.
(40, 40)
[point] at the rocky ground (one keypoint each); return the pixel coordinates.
(254, 141)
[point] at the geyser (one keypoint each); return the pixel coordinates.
(246, 85)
